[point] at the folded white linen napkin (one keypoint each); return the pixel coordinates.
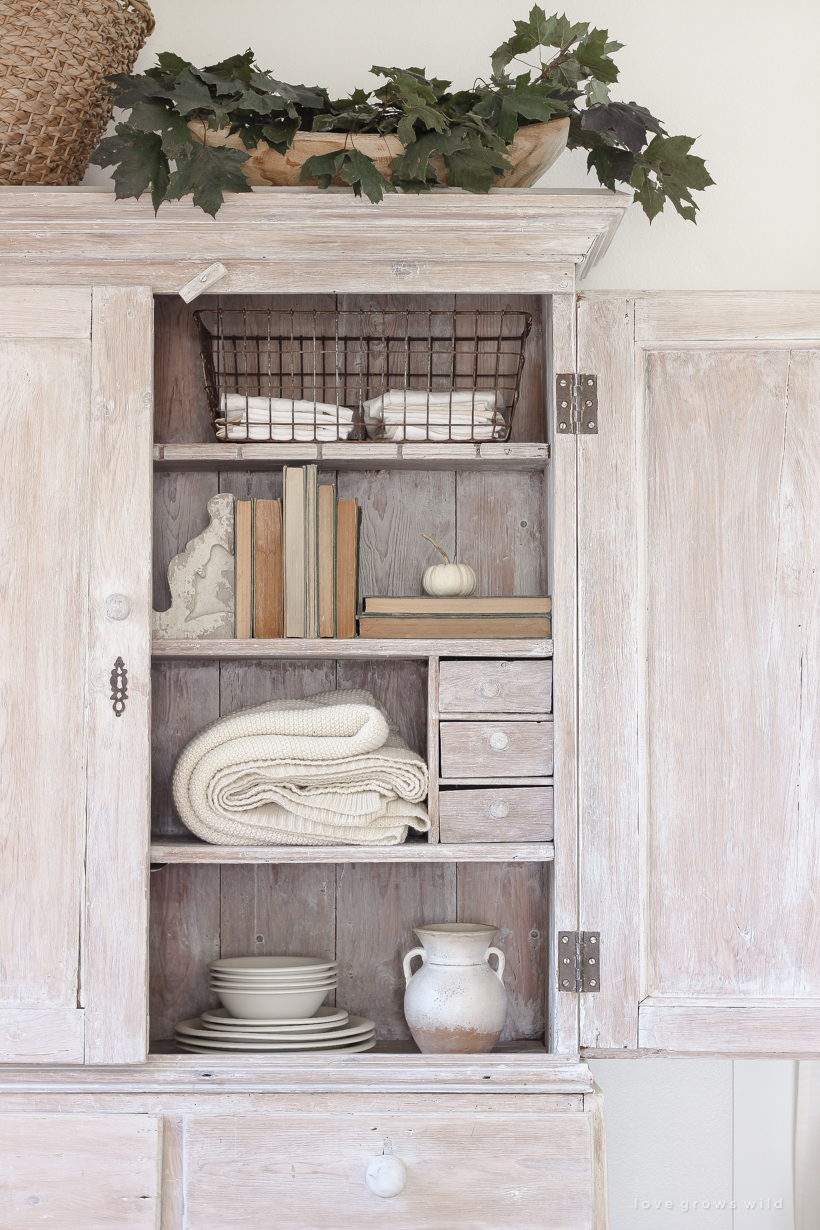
(416, 414)
(280, 419)
(330, 769)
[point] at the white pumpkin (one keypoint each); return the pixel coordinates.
(447, 580)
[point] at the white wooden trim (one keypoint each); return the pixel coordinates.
(68, 314)
(445, 240)
(563, 1012)
(119, 768)
(183, 850)
(356, 647)
(756, 316)
(226, 1080)
(594, 1109)
(42, 1035)
(737, 1029)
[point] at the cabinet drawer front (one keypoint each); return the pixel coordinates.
(496, 749)
(479, 1171)
(80, 1172)
(506, 813)
(495, 687)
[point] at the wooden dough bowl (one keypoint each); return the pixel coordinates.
(533, 151)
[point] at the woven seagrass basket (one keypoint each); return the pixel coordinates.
(54, 100)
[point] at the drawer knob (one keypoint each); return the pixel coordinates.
(498, 740)
(385, 1176)
(488, 688)
(117, 606)
(499, 809)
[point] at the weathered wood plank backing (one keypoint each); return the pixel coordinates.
(184, 937)
(377, 908)
(513, 898)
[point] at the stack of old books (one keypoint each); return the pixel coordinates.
(466, 618)
(297, 561)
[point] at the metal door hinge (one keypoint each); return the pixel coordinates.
(576, 404)
(579, 961)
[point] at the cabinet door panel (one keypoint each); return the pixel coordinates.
(707, 655)
(44, 421)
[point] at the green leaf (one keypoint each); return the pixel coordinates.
(611, 165)
(208, 173)
(356, 169)
(591, 55)
(128, 91)
(542, 27)
(280, 133)
(238, 66)
(413, 166)
(364, 176)
(139, 161)
(627, 121)
(191, 94)
(666, 170)
(322, 167)
(473, 166)
(597, 94)
(158, 118)
(171, 63)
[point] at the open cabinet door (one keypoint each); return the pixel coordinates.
(699, 672)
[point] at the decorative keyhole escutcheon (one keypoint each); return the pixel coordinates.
(119, 687)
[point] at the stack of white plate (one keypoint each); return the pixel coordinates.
(272, 988)
(331, 1029)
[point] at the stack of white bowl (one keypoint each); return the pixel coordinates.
(274, 1004)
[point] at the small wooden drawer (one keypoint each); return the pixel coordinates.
(523, 686)
(503, 813)
(496, 749)
(482, 1163)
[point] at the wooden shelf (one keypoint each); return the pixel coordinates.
(372, 455)
(358, 647)
(191, 850)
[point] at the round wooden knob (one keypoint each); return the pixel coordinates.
(498, 740)
(385, 1176)
(489, 688)
(117, 606)
(499, 808)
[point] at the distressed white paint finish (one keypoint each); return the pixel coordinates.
(44, 423)
(722, 506)
(119, 750)
(484, 1163)
(80, 1172)
(500, 749)
(68, 312)
(531, 239)
(170, 850)
(495, 687)
(48, 1035)
(353, 456)
(498, 814)
(608, 684)
(357, 647)
(736, 1028)
(201, 581)
(244, 1082)
(562, 511)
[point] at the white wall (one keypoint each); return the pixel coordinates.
(741, 75)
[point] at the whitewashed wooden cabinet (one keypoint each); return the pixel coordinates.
(658, 759)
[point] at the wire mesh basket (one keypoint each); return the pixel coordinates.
(275, 375)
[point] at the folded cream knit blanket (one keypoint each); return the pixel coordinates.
(330, 769)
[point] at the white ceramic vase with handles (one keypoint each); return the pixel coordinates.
(456, 1002)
